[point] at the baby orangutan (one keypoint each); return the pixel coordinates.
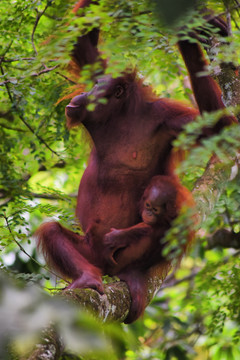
(140, 247)
(160, 205)
(159, 200)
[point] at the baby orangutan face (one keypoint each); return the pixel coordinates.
(153, 207)
(159, 201)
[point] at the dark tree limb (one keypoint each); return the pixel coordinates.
(50, 346)
(225, 239)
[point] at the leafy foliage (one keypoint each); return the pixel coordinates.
(196, 313)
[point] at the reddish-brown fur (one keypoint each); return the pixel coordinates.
(132, 135)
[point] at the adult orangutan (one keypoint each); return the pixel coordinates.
(132, 134)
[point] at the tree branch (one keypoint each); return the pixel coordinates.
(225, 239)
(50, 347)
(44, 71)
(50, 196)
(2, 59)
(5, 126)
(16, 80)
(39, 15)
(41, 140)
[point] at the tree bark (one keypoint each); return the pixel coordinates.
(50, 347)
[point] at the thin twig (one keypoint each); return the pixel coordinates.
(41, 140)
(66, 78)
(16, 60)
(6, 85)
(3, 83)
(231, 8)
(169, 284)
(2, 59)
(5, 52)
(224, 261)
(44, 71)
(12, 128)
(50, 196)
(24, 251)
(39, 15)
(17, 242)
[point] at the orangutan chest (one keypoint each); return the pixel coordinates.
(141, 154)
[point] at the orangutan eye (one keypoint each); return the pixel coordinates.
(147, 205)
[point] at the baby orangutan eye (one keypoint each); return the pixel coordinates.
(147, 205)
